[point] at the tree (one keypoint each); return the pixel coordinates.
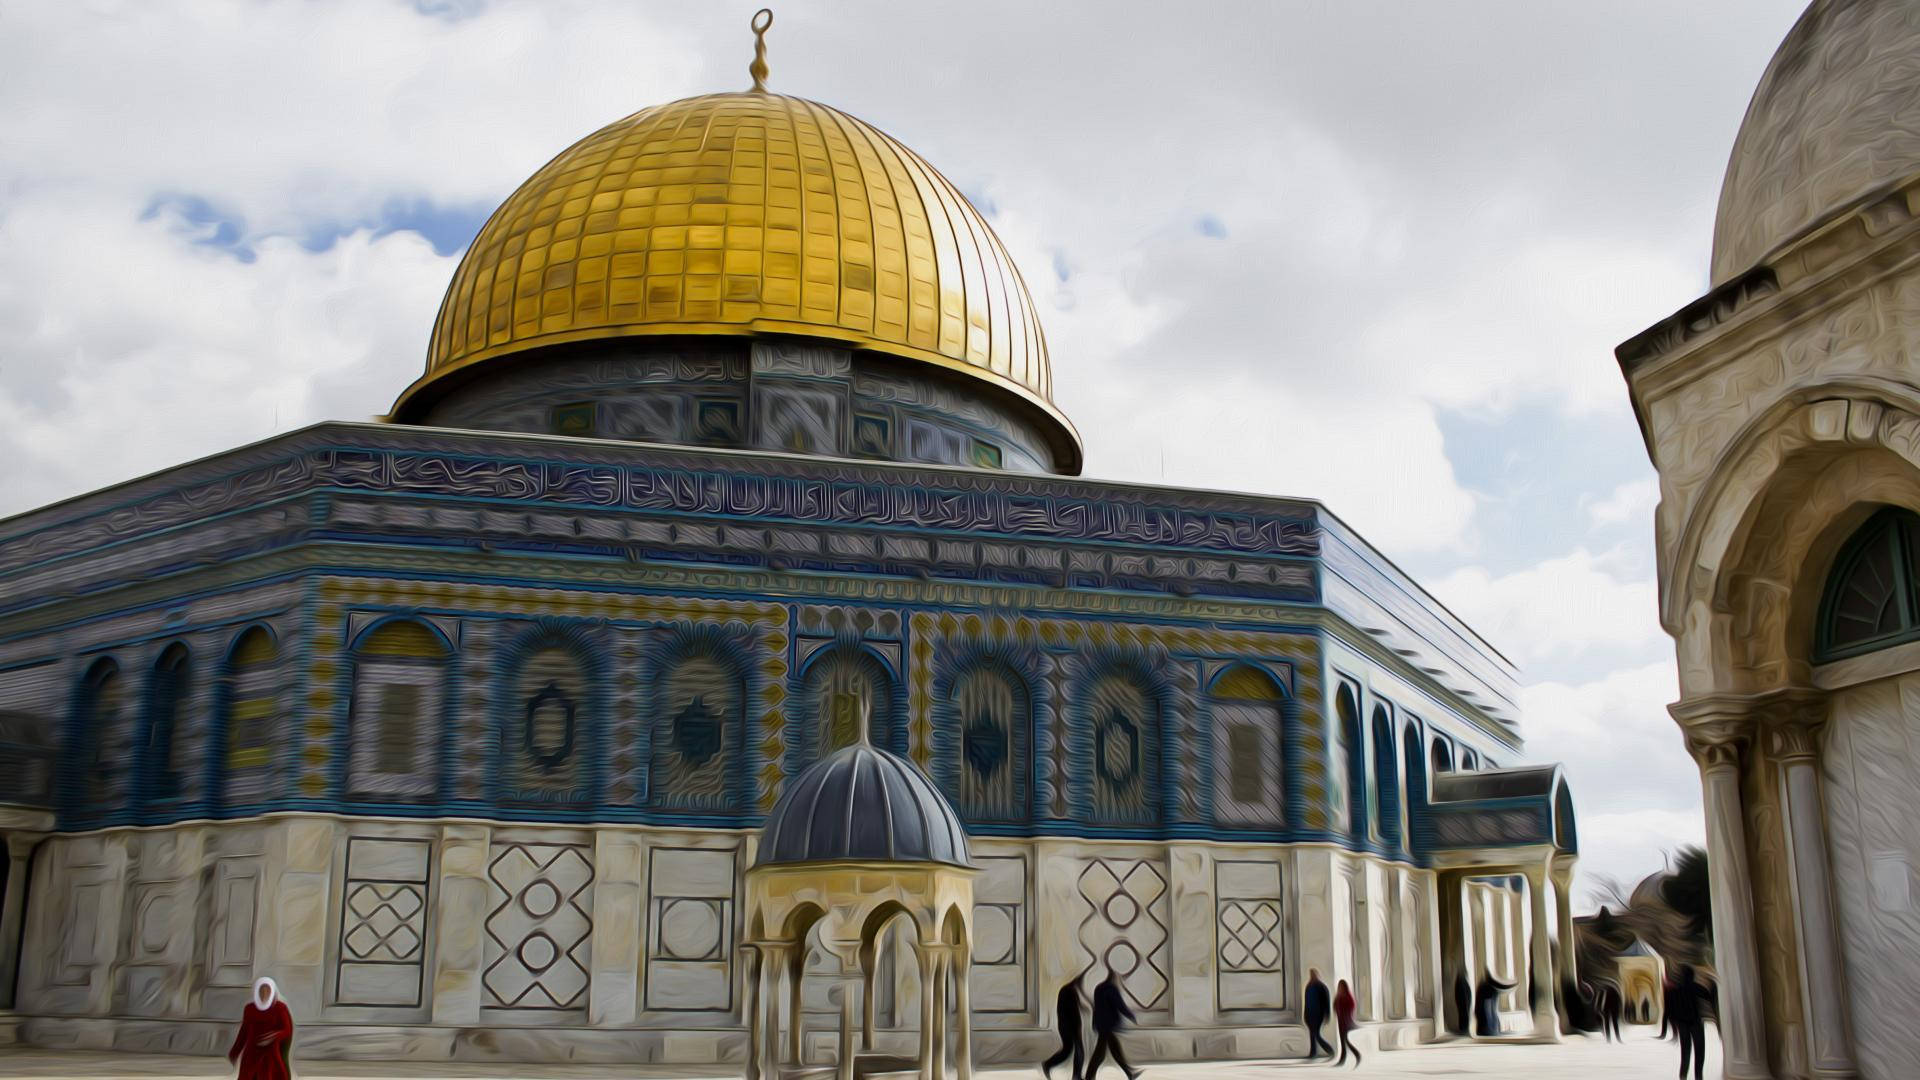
(1688, 892)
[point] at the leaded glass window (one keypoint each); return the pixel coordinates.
(697, 721)
(1247, 756)
(399, 683)
(100, 734)
(252, 703)
(1386, 781)
(1349, 757)
(991, 708)
(1123, 728)
(1870, 600)
(842, 687)
(166, 701)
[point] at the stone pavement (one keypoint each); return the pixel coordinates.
(1641, 1056)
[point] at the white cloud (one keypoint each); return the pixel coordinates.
(1636, 791)
(1631, 503)
(1577, 606)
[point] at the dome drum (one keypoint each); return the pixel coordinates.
(783, 394)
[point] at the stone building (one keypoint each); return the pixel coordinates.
(1782, 410)
(736, 444)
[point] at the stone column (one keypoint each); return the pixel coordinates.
(963, 1016)
(928, 1046)
(1718, 741)
(750, 1006)
(772, 964)
(13, 910)
(459, 921)
(843, 996)
(1407, 969)
(1546, 1022)
(796, 1006)
(1563, 892)
(1796, 743)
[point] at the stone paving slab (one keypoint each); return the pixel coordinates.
(1641, 1057)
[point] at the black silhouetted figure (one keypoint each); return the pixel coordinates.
(1317, 1004)
(1067, 1009)
(1687, 1016)
(1486, 1004)
(1666, 1007)
(1343, 1005)
(1611, 1004)
(1463, 1003)
(1110, 1014)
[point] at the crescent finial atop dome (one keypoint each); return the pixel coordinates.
(762, 22)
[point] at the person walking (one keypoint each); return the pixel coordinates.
(1687, 1016)
(1463, 1003)
(1317, 1004)
(1343, 1004)
(1067, 1010)
(262, 1048)
(1110, 1014)
(1612, 1004)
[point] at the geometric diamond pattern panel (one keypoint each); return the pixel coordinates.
(1250, 935)
(383, 922)
(540, 927)
(1125, 926)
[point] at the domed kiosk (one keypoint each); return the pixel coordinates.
(1782, 410)
(858, 840)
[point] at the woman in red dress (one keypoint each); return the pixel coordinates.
(262, 1048)
(1343, 1016)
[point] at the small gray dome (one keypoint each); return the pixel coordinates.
(1833, 120)
(862, 804)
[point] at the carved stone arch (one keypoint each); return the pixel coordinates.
(1744, 588)
(1254, 762)
(1125, 738)
(398, 706)
(987, 716)
(97, 738)
(167, 700)
(831, 681)
(703, 682)
(552, 696)
(246, 704)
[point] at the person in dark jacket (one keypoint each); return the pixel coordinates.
(1072, 1025)
(1612, 1004)
(1463, 1003)
(1317, 1003)
(1110, 1014)
(1343, 1006)
(1687, 1005)
(1486, 1004)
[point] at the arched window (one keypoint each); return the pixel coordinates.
(1247, 755)
(1470, 761)
(841, 686)
(1386, 781)
(1870, 600)
(547, 740)
(1442, 757)
(993, 717)
(1122, 716)
(168, 687)
(699, 725)
(1416, 777)
(251, 697)
(1349, 763)
(99, 739)
(399, 687)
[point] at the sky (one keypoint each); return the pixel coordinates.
(1376, 254)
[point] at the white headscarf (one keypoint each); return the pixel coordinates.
(273, 993)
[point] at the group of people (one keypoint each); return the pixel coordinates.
(1686, 1005)
(1110, 1013)
(1316, 1003)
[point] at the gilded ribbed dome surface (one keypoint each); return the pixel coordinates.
(745, 213)
(1835, 117)
(862, 804)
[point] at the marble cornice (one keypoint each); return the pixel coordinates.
(1877, 237)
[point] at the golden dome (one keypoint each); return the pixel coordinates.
(745, 213)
